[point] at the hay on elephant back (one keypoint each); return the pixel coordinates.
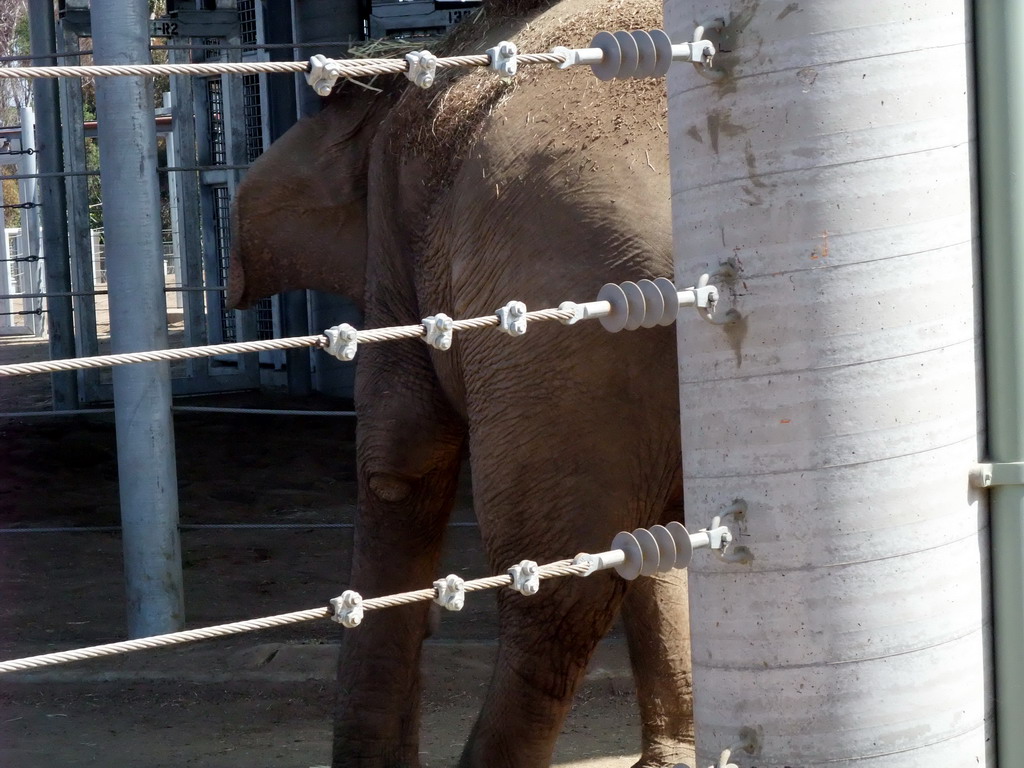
(440, 124)
(393, 47)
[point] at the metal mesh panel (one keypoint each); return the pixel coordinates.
(222, 226)
(264, 319)
(253, 111)
(247, 21)
(264, 308)
(17, 268)
(215, 105)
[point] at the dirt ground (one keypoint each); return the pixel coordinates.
(260, 699)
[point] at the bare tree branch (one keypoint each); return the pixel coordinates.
(14, 41)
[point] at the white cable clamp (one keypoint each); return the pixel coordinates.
(599, 562)
(323, 74)
(422, 68)
(570, 55)
(700, 52)
(512, 318)
(723, 760)
(576, 309)
(719, 539)
(584, 311)
(451, 592)
(342, 341)
(348, 608)
(707, 301)
(706, 296)
(525, 578)
(504, 58)
(719, 536)
(439, 331)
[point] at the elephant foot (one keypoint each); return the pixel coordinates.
(680, 755)
(384, 758)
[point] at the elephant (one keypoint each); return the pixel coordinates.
(458, 199)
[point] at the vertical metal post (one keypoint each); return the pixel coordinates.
(236, 153)
(59, 315)
(315, 21)
(28, 192)
(6, 283)
(281, 109)
(176, 246)
(76, 189)
(1000, 67)
(184, 189)
(138, 319)
(827, 180)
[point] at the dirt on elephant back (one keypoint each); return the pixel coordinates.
(461, 100)
(261, 699)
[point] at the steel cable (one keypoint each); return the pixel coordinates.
(549, 571)
(392, 333)
(346, 67)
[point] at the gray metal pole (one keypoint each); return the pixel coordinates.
(319, 21)
(138, 320)
(281, 110)
(1000, 67)
(49, 154)
(6, 283)
(28, 192)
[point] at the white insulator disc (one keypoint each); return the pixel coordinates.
(684, 549)
(627, 542)
(637, 306)
(654, 303)
(630, 55)
(615, 296)
(649, 548)
(612, 58)
(648, 54)
(666, 546)
(671, 297)
(663, 46)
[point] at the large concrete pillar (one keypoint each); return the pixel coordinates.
(828, 178)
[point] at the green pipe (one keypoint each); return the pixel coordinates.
(999, 32)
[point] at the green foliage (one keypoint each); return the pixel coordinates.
(12, 216)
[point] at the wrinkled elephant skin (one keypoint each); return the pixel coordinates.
(458, 200)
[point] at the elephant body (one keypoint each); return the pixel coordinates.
(459, 199)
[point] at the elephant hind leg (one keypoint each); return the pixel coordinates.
(657, 620)
(546, 642)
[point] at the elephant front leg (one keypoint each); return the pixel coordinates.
(378, 691)
(409, 450)
(657, 619)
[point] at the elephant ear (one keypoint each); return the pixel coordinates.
(299, 216)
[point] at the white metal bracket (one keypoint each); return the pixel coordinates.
(702, 52)
(451, 592)
(512, 318)
(996, 473)
(348, 608)
(422, 68)
(525, 578)
(439, 331)
(504, 59)
(342, 341)
(323, 74)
